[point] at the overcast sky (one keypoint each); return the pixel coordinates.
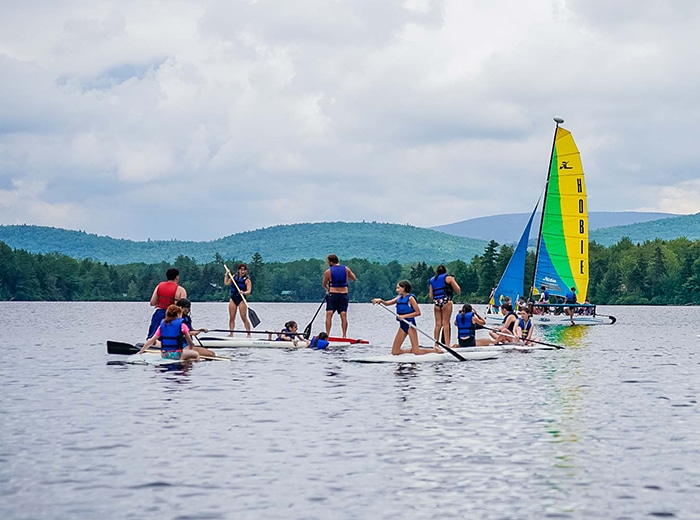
(198, 119)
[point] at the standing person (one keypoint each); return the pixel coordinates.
(407, 309)
(335, 283)
(166, 293)
(466, 321)
(442, 287)
(570, 300)
(544, 298)
(185, 307)
(173, 335)
(523, 327)
(240, 285)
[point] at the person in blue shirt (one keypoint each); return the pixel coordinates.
(406, 310)
(442, 288)
(319, 342)
(335, 283)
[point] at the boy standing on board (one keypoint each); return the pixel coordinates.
(335, 282)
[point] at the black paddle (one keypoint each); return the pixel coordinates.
(307, 330)
(254, 320)
(448, 349)
(124, 349)
(514, 337)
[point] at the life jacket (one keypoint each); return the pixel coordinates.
(440, 286)
(239, 282)
(283, 332)
(318, 343)
(403, 306)
(166, 294)
(171, 336)
(524, 328)
(187, 320)
(339, 276)
(465, 326)
(505, 318)
(571, 297)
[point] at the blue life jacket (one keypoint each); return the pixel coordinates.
(571, 297)
(339, 276)
(318, 344)
(465, 326)
(187, 320)
(440, 286)
(171, 337)
(285, 332)
(240, 283)
(525, 328)
(403, 306)
(545, 295)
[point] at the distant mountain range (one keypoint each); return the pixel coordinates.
(369, 240)
(372, 241)
(506, 229)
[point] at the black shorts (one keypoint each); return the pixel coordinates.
(468, 342)
(337, 302)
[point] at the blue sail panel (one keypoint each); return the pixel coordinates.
(513, 280)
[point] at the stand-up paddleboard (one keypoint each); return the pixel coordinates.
(432, 357)
(153, 358)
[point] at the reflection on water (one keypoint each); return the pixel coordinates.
(605, 428)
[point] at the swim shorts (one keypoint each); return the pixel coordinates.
(337, 302)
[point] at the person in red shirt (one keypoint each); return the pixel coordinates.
(166, 293)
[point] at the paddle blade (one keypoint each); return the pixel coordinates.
(124, 349)
(254, 320)
(307, 331)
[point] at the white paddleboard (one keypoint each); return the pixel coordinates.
(221, 342)
(152, 358)
(433, 357)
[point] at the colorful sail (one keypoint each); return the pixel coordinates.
(562, 255)
(513, 280)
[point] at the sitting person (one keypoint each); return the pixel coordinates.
(504, 334)
(466, 321)
(524, 328)
(289, 333)
(185, 305)
(173, 335)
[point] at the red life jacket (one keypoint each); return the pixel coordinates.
(166, 294)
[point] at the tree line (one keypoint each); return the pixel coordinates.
(655, 272)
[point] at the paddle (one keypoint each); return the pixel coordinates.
(307, 330)
(254, 320)
(515, 337)
(448, 349)
(613, 319)
(127, 349)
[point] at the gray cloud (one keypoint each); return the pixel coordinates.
(245, 114)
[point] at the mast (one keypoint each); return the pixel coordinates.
(558, 121)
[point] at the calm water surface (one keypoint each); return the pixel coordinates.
(607, 428)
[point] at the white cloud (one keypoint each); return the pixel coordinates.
(254, 113)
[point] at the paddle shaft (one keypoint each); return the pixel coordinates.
(307, 330)
(448, 349)
(515, 337)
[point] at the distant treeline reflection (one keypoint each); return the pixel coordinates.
(656, 272)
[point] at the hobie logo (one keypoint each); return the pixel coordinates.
(549, 280)
(565, 166)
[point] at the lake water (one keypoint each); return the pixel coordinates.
(607, 428)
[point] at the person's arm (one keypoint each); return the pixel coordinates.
(430, 290)
(351, 275)
(150, 342)
(248, 287)
(386, 303)
(154, 297)
(227, 279)
(188, 338)
(478, 319)
(455, 286)
(414, 305)
(327, 280)
(180, 293)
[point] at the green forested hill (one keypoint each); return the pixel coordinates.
(372, 241)
(687, 226)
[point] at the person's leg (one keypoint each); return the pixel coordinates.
(398, 341)
(243, 308)
(344, 323)
(232, 309)
(446, 317)
(329, 321)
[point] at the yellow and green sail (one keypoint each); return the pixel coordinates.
(562, 256)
